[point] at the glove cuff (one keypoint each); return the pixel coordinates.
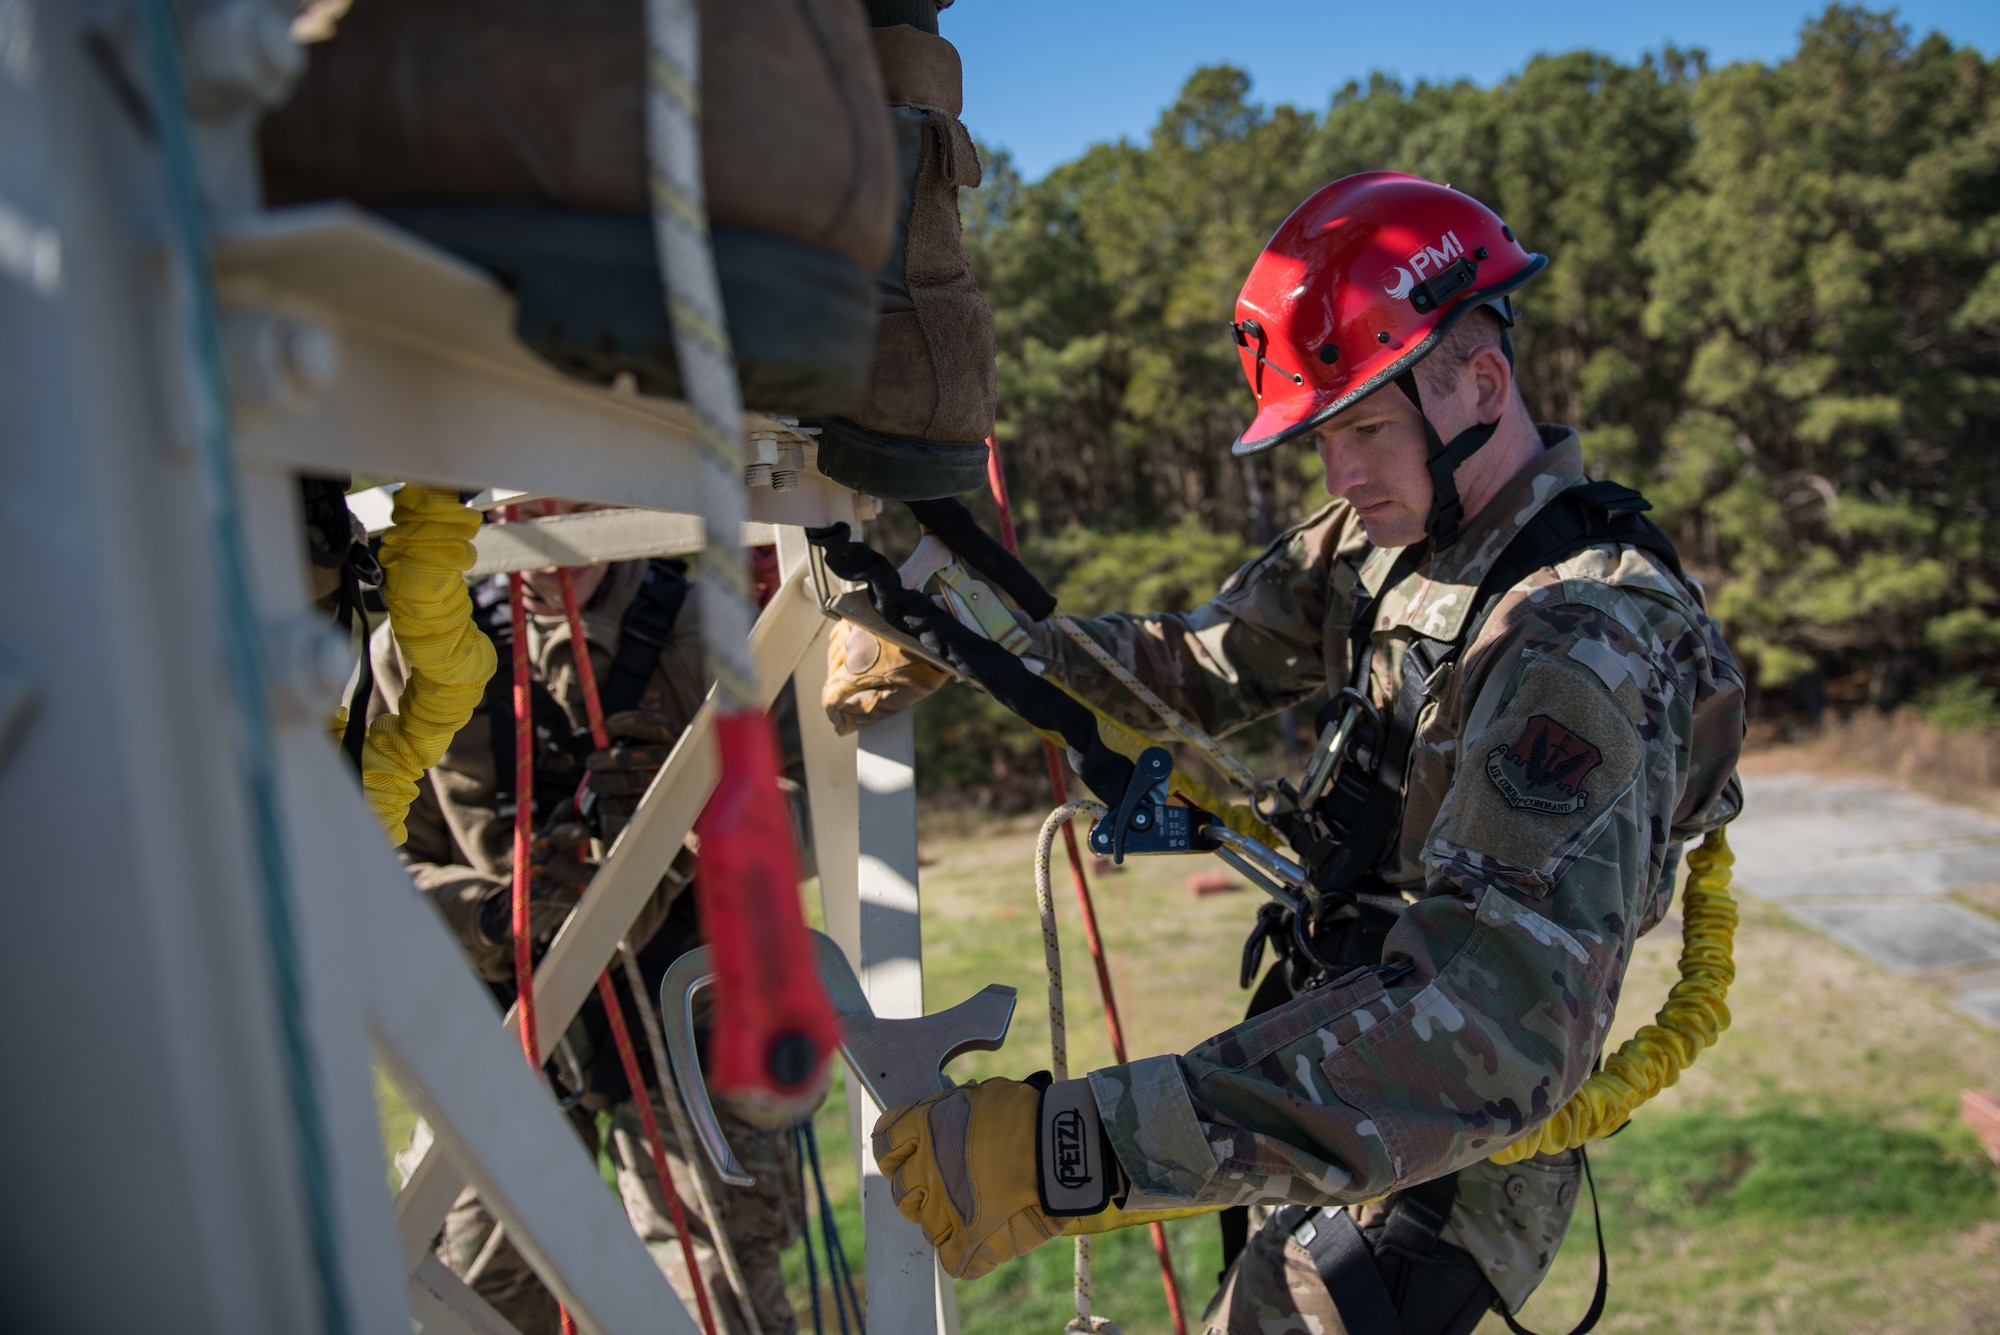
(1078, 1173)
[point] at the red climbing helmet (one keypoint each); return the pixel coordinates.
(1357, 287)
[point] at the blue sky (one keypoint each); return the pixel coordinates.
(1047, 78)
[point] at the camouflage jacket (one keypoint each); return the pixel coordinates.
(1589, 726)
(460, 843)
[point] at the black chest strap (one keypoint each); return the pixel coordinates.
(645, 631)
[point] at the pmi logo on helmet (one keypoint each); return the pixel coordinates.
(1423, 264)
(1072, 1163)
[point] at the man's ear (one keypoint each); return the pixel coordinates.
(1492, 382)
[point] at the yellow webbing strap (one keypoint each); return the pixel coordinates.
(1129, 742)
(1696, 1013)
(424, 560)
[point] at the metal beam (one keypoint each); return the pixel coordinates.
(367, 351)
(442, 1304)
(864, 815)
(585, 539)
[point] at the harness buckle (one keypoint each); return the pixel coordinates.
(971, 603)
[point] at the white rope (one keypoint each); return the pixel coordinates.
(1083, 1323)
(701, 343)
(1235, 770)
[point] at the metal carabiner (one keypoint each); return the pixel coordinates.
(1335, 742)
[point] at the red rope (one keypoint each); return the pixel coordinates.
(628, 1057)
(996, 478)
(524, 818)
(524, 829)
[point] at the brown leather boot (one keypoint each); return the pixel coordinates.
(511, 132)
(922, 431)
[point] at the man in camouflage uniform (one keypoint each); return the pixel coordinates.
(460, 856)
(1577, 726)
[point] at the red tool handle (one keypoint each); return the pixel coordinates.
(775, 1029)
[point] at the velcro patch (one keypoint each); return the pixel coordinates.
(1540, 780)
(1079, 1176)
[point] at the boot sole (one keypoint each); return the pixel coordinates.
(899, 468)
(589, 300)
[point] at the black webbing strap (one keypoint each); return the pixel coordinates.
(1447, 514)
(1418, 1217)
(349, 609)
(1590, 1318)
(1346, 1262)
(958, 530)
(999, 673)
(645, 630)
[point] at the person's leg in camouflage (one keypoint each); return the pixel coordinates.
(489, 1264)
(760, 1221)
(1507, 1222)
(494, 1270)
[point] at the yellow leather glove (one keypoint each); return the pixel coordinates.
(992, 1170)
(868, 678)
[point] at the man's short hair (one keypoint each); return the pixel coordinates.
(1477, 328)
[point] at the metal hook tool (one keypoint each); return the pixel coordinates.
(896, 1061)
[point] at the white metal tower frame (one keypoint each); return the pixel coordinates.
(149, 1165)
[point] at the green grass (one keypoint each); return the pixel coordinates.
(1806, 1175)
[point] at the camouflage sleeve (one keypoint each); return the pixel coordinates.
(1255, 648)
(1575, 751)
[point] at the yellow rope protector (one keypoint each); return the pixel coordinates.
(424, 560)
(1129, 742)
(1696, 1013)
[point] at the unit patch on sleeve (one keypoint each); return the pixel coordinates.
(1541, 778)
(1545, 768)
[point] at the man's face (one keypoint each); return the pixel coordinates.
(543, 588)
(1375, 455)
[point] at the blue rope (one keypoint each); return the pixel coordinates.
(838, 1271)
(812, 1266)
(245, 656)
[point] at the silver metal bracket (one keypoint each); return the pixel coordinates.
(895, 1061)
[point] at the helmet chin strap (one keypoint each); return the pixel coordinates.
(1447, 514)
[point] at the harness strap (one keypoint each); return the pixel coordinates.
(646, 629)
(958, 530)
(1447, 509)
(999, 673)
(1346, 1263)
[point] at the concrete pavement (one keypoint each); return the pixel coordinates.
(1875, 866)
